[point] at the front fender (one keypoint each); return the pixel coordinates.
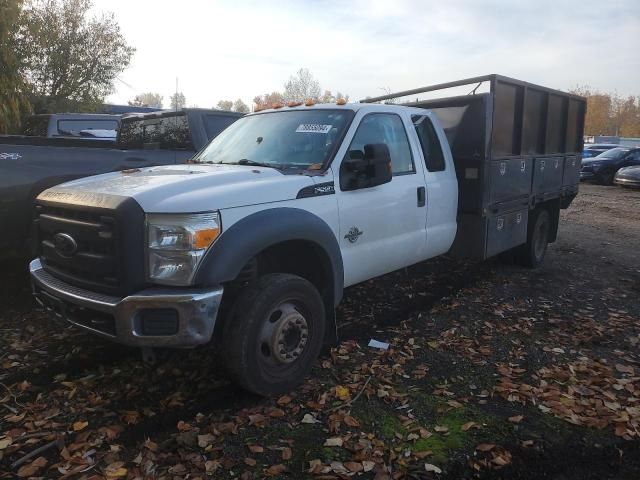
(248, 237)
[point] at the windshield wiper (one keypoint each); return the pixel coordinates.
(246, 161)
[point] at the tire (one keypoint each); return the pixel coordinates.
(274, 334)
(532, 253)
(607, 178)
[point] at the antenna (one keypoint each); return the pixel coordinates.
(176, 97)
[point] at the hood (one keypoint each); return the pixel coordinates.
(188, 188)
(592, 160)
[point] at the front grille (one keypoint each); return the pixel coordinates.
(107, 236)
(94, 262)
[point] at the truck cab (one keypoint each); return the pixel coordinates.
(252, 242)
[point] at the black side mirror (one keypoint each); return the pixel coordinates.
(365, 170)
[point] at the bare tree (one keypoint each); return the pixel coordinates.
(147, 99)
(301, 87)
(240, 106)
(178, 101)
(225, 105)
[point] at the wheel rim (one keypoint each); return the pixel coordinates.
(541, 235)
(283, 336)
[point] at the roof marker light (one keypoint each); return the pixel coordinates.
(294, 104)
(341, 101)
(310, 102)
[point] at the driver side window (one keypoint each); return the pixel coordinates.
(386, 128)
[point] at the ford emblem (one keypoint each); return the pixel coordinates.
(64, 244)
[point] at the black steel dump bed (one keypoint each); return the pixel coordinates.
(515, 146)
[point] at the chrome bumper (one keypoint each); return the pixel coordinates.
(123, 320)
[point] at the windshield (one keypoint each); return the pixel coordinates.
(614, 153)
(296, 139)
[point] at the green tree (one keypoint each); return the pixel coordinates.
(14, 102)
(225, 105)
(240, 106)
(147, 99)
(69, 58)
(178, 101)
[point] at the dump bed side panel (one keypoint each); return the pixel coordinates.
(514, 147)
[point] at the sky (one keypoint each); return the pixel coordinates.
(239, 49)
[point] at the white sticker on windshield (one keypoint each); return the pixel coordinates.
(313, 128)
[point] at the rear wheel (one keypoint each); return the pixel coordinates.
(532, 253)
(274, 334)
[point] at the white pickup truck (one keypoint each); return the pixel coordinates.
(252, 241)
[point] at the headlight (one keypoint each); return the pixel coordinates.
(177, 243)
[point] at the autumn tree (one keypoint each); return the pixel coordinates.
(13, 89)
(240, 106)
(268, 99)
(610, 114)
(178, 101)
(147, 99)
(69, 58)
(301, 86)
(225, 105)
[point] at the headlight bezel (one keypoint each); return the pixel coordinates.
(175, 244)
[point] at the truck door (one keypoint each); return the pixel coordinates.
(382, 228)
(442, 185)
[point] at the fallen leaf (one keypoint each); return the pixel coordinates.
(485, 447)
(624, 368)
(5, 442)
(342, 392)
(286, 453)
(354, 466)
(276, 469)
(516, 418)
(308, 418)
(431, 468)
(80, 426)
(441, 429)
(333, 442)
(368, 465)
(469, 425)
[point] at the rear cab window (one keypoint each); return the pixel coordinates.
(76, 127)
(165, 133)
(431, 148)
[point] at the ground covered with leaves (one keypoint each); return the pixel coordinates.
(493, 371)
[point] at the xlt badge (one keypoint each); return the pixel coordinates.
(353, 234)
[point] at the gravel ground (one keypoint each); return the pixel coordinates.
(494, 371)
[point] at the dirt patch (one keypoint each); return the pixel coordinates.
(494, 371)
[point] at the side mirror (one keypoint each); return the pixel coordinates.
(366, 170)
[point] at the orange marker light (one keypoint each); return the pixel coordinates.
(341, 101)
(204, 238)
(310, 102)
(276, 105)
(294, 104)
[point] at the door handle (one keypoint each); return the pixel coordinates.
(421, 196)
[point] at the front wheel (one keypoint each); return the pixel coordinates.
(532, 253)
(274, 334)
(607, 178)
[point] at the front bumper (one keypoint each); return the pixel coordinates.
(185, 317)
(587, 175)
(627, 182)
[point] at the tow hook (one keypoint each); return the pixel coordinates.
(148, 356)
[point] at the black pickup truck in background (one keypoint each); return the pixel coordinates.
(29, 165)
